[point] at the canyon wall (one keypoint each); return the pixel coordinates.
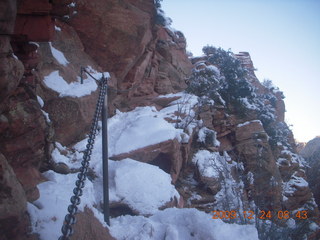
(42, 104)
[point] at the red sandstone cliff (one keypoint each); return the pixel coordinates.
(121, 38)
(145, 59)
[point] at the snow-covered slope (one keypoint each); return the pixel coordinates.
(144, 187)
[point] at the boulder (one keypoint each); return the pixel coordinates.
(249, 130)
(170, 156)
(14, 220)
(11, 71)
(88, 227)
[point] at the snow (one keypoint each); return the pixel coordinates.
(249, 122)
(250, 178)
(204, 132)
(46, 115)
(174, 224)
(214, 69)
(139, 128)
(213, 165)
(209, 163)
(202, 135)
(143, 187)
(57, 28)
(144, 126)
(314, 227)
(75, 89)
(248, 105)
(48, 212)
(295, 158)
(295, 182)
(60, 147)
(283, 161)
(40, 101)
(97, 75)
(35, 43)
(57, 157)
(171, 95)
(59, 56)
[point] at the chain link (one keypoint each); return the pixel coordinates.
(70, 218)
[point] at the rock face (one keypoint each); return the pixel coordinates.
(23, 137)
(70, 116)
(88, 227)
(145, 59)
(20, 124)
(14, 220)
(311, 153)
(148, 59)
(255, 152)
(11, 68)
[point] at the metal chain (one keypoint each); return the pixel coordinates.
(70, 218)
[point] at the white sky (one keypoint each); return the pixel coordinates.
(282, 37)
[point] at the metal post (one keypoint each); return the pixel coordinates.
(105, 160)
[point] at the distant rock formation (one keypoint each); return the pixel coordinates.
(311, 153)
(262, 169)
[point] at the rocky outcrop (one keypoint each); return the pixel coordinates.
(11, 69)
(255, 153)
(22, 131)
(170, 156)
(263, 170)
(14, 220)
(88, 227)
(311, 153)
(70, 116)
(23, 138)
(149, 59)
(144, 60)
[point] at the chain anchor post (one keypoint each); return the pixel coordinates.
(106, 210)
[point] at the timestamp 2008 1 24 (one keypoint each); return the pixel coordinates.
(264, 215)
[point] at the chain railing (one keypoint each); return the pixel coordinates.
(70, 218)
(101, 108)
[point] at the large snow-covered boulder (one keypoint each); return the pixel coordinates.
(143, 187)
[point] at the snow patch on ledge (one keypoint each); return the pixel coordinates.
(57, 28)
(137, 129)
(59, 56)
(75, 89)
(249, 122)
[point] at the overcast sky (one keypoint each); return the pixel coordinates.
(282, 37)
